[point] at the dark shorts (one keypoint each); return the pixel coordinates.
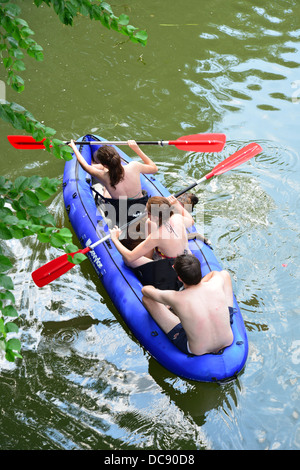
(159, 274)
(120, 206)
(232, 310)
(178, 337)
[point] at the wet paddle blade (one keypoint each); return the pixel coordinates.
(236, 159)
(54, 269)
(25, 142)
(200, 142)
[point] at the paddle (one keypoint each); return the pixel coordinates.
(59, 266)
(194, 142)
(229, 163)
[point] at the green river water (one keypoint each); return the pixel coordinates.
(222, 66)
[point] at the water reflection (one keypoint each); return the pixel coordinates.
(250, 50)
(194, 399)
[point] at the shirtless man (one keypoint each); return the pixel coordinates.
(200, 323)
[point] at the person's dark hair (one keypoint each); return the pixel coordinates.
(188, 268)
(188, 199)
(158, 205)
(109, 157)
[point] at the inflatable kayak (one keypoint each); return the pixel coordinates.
(124, 288)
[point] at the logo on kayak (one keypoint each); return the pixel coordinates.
(95, 259)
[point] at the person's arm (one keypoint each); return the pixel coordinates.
(187, 218)
(92, 170)
(165, 297)
(130, 256)
(149, 166)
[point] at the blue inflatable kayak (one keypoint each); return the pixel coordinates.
(124, 288)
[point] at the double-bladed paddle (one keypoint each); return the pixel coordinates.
(59, 266)
(194, 142)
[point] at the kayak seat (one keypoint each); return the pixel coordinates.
(106, 204)
(159, 273)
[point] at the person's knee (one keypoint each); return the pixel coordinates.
(226, 277)
(146, 302)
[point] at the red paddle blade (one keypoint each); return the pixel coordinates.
(25, 142)
(200, 142)
(236, 159)
(54, 269)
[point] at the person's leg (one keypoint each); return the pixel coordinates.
(161, 314)
(139, 262)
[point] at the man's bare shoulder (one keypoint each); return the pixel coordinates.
(216, 274)
(215, 278)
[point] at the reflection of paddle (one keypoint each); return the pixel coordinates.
(194, 142)
(59, 266)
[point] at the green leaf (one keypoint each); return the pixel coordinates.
(13, 42)
(123, 20)
(12, 9)
(16, 354)
(9, 356)
(6, 282)
(56, 240)
(11, 327)
(43, 237)
(131, 29)
(26, 31)
(38, 211)
(17, 232)
(5, 264)
(21, 183)
(30, 198)
(9, 311)
(34, 181)
(41, 194)
(2, 181)
(7, 62)
(10, 220)
(77, 258)
(7, 295)
(21, 22)
(142, 35)
(13, 344)
(2, 327)
(70, 249)
(49, 132)
(5, 233)
(65, 234)
(5, 212)
(19, 65)
(107, 7)
(47, 219)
